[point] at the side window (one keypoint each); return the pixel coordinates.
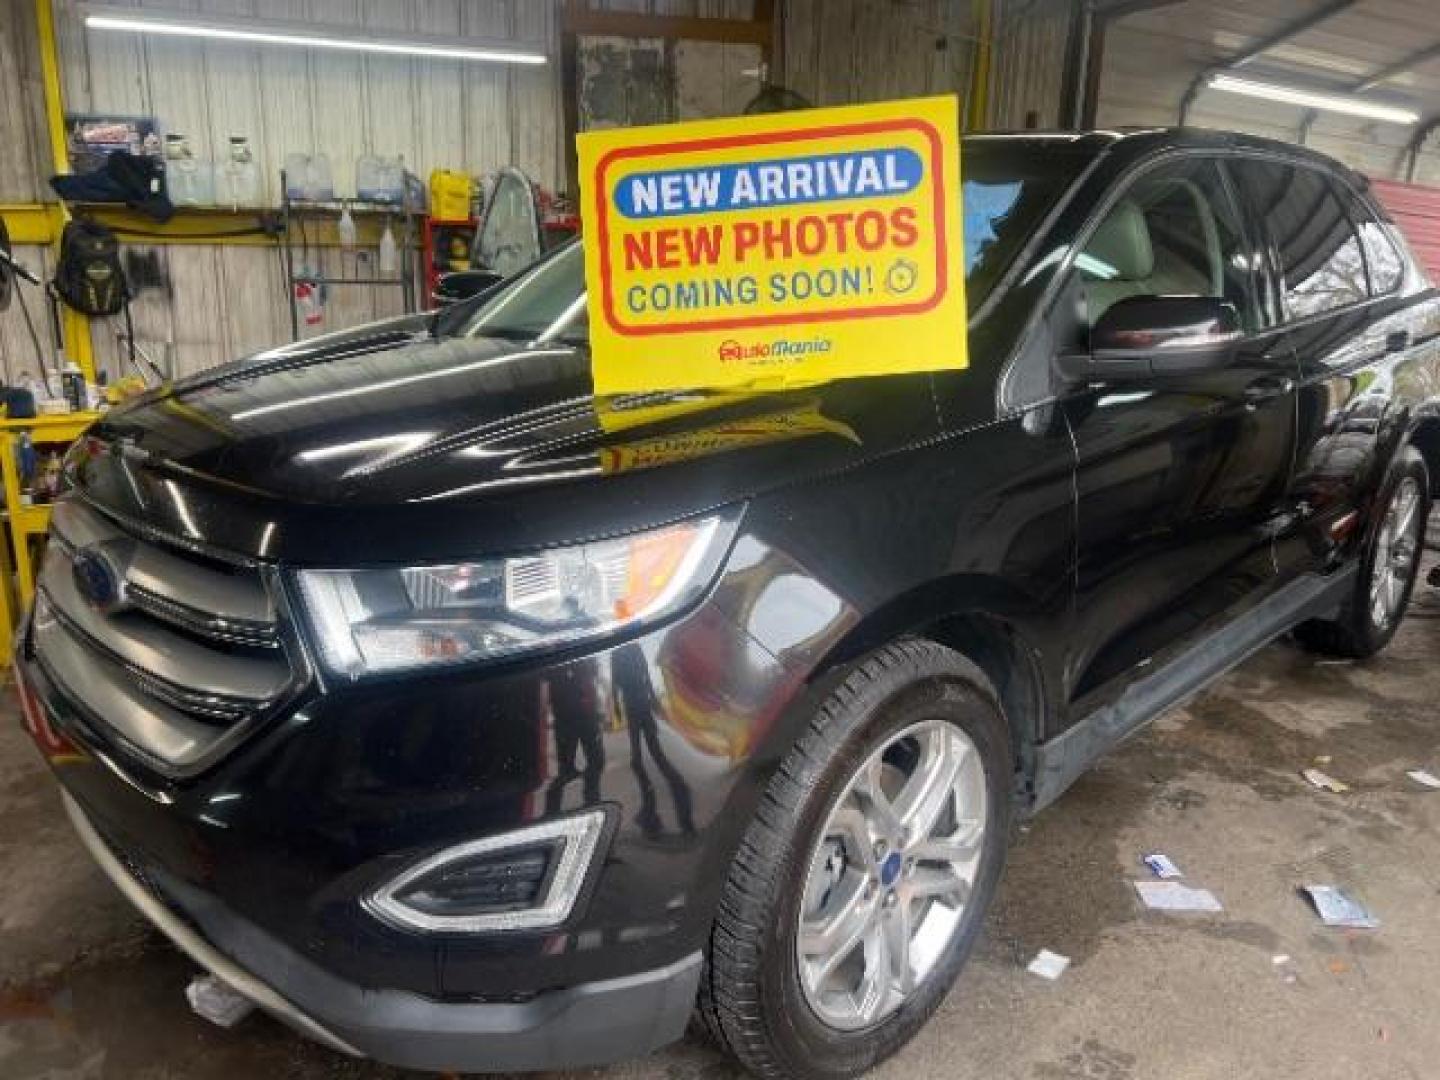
(509, 237)
(1174, 232)
(1320, 260)
(1387, 268)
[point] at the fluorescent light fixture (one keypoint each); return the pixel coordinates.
(307, 35)
(1311, 99)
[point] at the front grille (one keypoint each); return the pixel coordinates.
(174, 653)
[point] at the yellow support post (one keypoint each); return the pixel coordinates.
(74, 326)
(978, 104)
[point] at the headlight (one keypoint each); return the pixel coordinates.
(370, 621)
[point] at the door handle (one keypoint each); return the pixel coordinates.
(1397, 341)
(1266, 388)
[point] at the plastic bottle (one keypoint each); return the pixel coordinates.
(346, 228)
(26, 461)
(72, 385)
(39, 386)
(189, 181)
(389, 254)
(240, 177)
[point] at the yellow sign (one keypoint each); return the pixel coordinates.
(775, 250)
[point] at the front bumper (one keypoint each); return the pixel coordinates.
(261, 865)
(589, 1024)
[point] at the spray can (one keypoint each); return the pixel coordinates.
(72, 384)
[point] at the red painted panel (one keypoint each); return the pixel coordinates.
(1416, 210)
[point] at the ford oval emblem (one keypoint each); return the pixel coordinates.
(97, 580)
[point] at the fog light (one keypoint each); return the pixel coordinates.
(528, 879)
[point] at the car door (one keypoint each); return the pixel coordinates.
(1340, 277)
(1180, 479)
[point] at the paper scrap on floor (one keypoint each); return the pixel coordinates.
(1173, 896)
(1338, 908)
(216, 1001)
(1048, 965)
(1424, 779)
(1162, 866)
(1324, 781)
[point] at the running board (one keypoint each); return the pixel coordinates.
(1061, 761)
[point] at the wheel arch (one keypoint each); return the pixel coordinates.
(981, 619)
(1424, 436)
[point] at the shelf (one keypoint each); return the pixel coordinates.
(52, 427)
(397, 221)
(40, 223)
(336, 206)
(328, 281)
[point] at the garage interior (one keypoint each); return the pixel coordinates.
(87, 989)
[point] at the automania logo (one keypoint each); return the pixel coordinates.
(781, 349)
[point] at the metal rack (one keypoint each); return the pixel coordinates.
(26, 521)
(302, 218)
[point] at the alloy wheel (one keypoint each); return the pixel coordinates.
(890, 877)
(1396, 548)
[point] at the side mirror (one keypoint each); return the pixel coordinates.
(463, 285)
(1142, 337)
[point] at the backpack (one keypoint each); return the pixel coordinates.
(88, 276)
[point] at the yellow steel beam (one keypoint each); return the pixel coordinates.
(75, 327)
(977, 111)
(50, 77)
(40, 223)
(218, 225)
(32, 223)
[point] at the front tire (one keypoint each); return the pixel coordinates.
(1388, 568)
(861, 885)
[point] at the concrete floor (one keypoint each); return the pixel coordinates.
(87, 991)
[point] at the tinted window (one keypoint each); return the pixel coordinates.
(1174, 232)
(545, 301)
(1009, 187)
(1387, 269)
(1320, 258)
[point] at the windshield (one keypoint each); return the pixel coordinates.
(1009, 186)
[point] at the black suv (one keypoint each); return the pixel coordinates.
(466, 721)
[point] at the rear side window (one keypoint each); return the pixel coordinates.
(1387, 268)
(1320, 259)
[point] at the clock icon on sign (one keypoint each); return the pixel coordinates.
(901, 277)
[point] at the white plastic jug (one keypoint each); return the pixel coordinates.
(380, 179)
(237, 181)
(188, 180)
(307, 177)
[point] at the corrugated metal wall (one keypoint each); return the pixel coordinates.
(1029, 63)
(838, 52)
(225, 301)
(23, 160)
(1416, 210)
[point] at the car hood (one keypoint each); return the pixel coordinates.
(386, 443)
